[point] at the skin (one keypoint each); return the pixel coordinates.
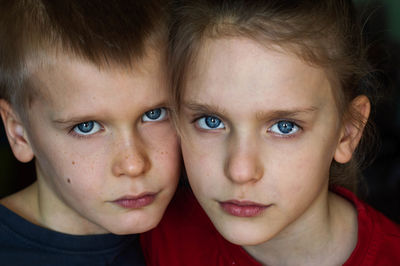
(80, 175)
(250, 89)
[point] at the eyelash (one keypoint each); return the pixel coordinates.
(273, 123)
(163, 116)
(295, 123)
(72, 132)
(197, 117)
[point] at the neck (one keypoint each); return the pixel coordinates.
(24, 203)
(43, 207)
(325, 234)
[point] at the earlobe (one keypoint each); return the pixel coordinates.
(15, 132)
(352, 129)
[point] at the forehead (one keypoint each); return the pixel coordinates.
(72, 88)
(241, 67)
(68, 75)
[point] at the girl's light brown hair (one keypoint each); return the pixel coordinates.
(323, 33)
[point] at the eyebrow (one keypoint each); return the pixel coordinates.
(261, 115)
(72, 120)
(75, 119)
(203, 108)
(295, 112)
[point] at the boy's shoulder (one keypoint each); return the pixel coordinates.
(378, 237)
(24, 243)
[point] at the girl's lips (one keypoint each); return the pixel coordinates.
(242, 208)
(135, 202)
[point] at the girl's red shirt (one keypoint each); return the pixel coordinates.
(186, 236)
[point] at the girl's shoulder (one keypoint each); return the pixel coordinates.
(378, 237)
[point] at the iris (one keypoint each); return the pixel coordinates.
(86, 127)
(212, 121)
(154, 114)
(285, 126)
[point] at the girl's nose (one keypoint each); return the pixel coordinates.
(131, 160)
(243, 163)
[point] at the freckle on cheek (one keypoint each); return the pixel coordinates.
(73, 162)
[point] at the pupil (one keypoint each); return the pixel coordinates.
(212, 121)
(285, 127)
(154, 114)
(86, 126)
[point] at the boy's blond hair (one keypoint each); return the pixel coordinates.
(34, 31)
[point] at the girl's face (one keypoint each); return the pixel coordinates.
(259, 128)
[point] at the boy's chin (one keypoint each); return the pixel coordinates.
(139, 225)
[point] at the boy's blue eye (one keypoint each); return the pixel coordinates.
(284, 128)
(155, 115)
(87, 128)
(210, 122)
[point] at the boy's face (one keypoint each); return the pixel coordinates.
(259, 131)
(107, 156)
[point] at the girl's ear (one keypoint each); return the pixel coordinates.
(352, 129)
(16, 133)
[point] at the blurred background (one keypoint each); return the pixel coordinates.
(381, 183)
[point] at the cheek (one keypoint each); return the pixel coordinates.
(72, 164)
(203, 168)
(168, 157)
(301, 171)
(72, 179)
(84, 173)
(163, 149)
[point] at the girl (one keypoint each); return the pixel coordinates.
(271, 104)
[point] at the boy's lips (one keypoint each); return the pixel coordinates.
(242, 208)
(136, 202)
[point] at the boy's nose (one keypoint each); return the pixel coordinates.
(243, 164)
(130, 161)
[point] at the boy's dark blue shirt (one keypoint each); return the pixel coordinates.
(23, 243)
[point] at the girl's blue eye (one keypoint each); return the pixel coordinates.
(87, 128)
(284, 128)
(155, 115)
(210, 122)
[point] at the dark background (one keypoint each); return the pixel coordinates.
(381, 183)
(382, 178)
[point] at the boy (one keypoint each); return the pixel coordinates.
(82, 92)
